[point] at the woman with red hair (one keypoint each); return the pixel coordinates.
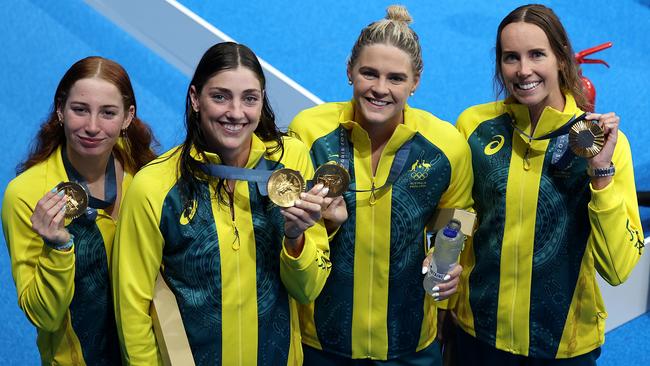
(93, 140)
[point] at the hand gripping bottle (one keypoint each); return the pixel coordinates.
(448, 244)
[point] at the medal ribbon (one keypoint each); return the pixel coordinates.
(110, 182)
(259, 175)
(559, 132)
(560, 158)
(395, 169)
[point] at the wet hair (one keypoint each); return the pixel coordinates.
(218, 58)
(134, 152)
(393, 30)
(548, 21)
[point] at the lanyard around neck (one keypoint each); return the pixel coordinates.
(110, 182)
(559, 132)
(560, 158)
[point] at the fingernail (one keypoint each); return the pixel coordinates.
(60, 194)
(446, 277)
(435, 289)
(319, 186)
(297, 202)
(303, 195)
(325, 190)
(53, 190)
(425, 270)
(435, 295)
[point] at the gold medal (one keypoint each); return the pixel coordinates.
(586, 138)
(284, 187)
(334, 176)
(76, 198)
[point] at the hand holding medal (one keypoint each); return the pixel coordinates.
(608, 123)
(284, 187)
(303, 214)
(334, 210)
(586, 138)
(333, 176)
(76, 199)
(594, 133)
(66, 200)
(601, 167)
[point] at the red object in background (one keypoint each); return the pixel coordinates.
(590, 90)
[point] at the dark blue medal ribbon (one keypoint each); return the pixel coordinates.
(560, 157)
(110, 185)
(260, 175)
(559, 132)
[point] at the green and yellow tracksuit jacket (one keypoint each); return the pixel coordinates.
(528, 286)
(373, 305)
(66, 295)
(231, 276)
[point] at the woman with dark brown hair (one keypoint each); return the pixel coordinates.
(235, 258)
(549, 218)
(92, 140)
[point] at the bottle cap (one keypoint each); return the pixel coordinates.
(452, 228)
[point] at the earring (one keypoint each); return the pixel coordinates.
(412, 93)
(126, 144)
(60, 117)
(349, 82)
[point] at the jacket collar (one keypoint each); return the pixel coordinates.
(257, 151)
(403, 132)
(550, 120)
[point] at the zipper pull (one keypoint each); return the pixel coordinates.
(231, 202)
(527, 159)
(236, 243)
(373, 197)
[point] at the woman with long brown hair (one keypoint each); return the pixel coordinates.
(549, 219)
(233, 259)
(93, 140)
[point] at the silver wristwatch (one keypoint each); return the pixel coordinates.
(601, 172)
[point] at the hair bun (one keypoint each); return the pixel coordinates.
(398, 13)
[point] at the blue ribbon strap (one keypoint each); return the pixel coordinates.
(260, 175)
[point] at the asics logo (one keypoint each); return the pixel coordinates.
(495, 145)
(188, 213)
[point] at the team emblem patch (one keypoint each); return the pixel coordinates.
(420, 171)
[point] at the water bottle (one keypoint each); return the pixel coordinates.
(447, 247)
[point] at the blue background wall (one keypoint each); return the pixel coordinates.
(309, 42)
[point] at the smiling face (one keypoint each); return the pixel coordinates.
(529, 68)
(230, 106)
(93, 116)
(382, 79)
